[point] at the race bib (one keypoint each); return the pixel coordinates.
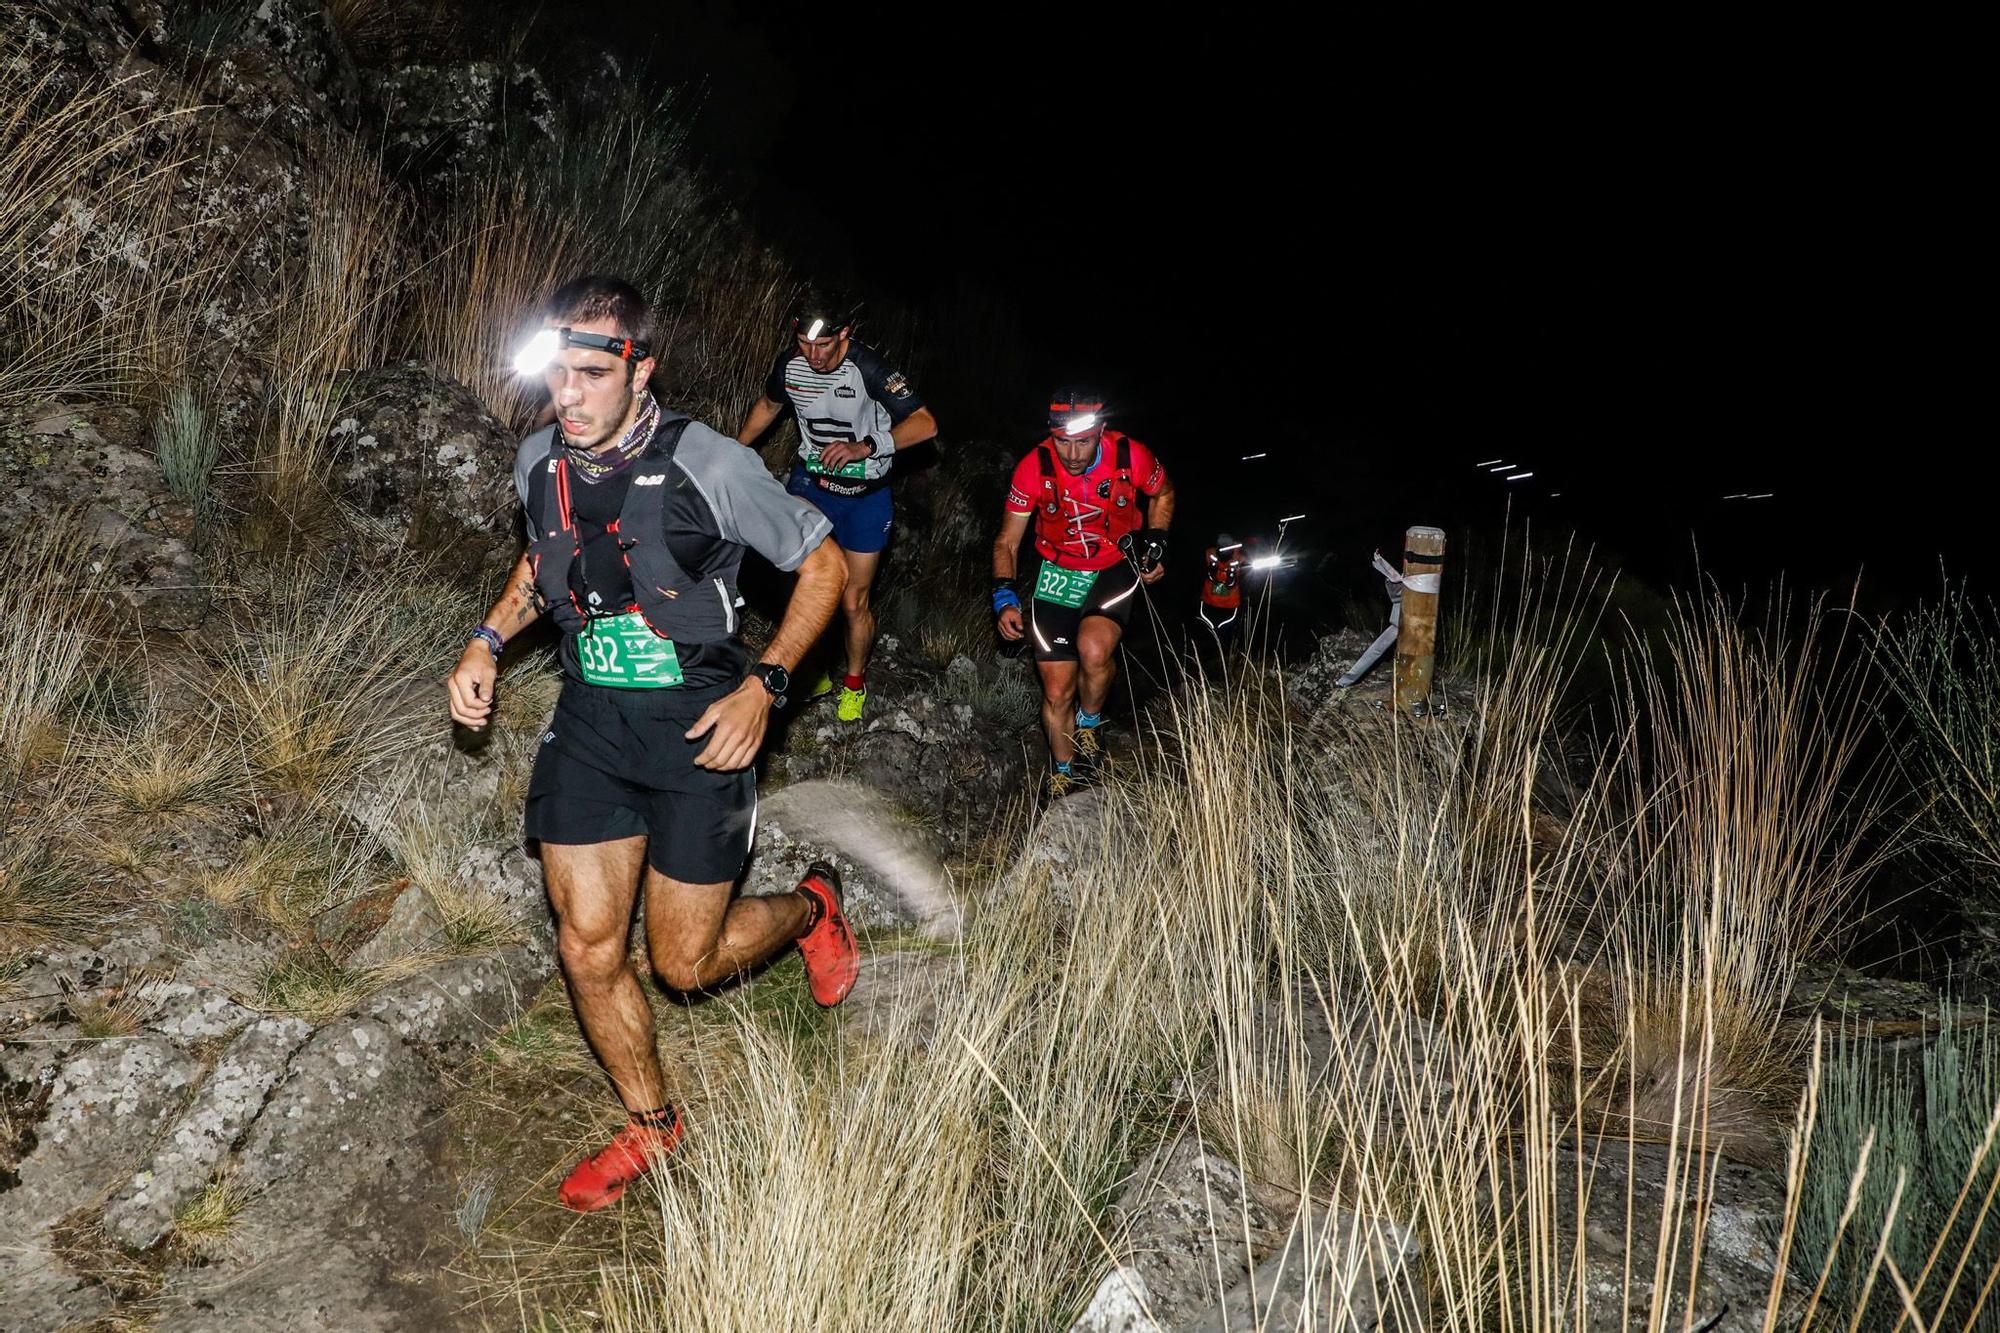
(857, 470)
(624, 653)
(1063, 587)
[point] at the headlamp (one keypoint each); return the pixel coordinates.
(813, 327)
(546, 344)
(1075, 419)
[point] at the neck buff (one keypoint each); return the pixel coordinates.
(597, 466)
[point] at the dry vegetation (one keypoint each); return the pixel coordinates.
(1512, 985)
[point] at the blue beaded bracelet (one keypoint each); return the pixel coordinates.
(489, 636)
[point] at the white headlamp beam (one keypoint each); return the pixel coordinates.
(537, 352)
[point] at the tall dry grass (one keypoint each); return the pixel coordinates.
(92, 271)
(337, 306)
(1366, 965)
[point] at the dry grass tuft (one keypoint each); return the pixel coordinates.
(338, 303)
(204, 1229)
(331, 672)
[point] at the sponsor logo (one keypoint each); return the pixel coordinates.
(844, 391)
(656, 479)
(1104, 490)
(1061, 640)
(897, 385)
(548, 738)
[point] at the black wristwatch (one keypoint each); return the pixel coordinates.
(776, 679)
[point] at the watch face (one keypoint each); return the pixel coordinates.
(776, 679)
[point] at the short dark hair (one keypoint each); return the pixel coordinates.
(597, 296)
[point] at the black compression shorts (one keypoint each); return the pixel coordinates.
(615, 764)
(1052, 628)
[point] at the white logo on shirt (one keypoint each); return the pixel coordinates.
(654, 480)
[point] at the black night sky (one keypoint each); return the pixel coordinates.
(1658, 262)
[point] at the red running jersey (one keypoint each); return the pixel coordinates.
(1078, 520)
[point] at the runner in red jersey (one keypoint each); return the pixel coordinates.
(1100, 503)
(1222, 589)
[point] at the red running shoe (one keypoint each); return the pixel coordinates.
(600, 1178)
(832, 961)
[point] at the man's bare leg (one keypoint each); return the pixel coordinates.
(696, 937)
(1059, 709)
(1097, 646)
(858, 610)
(592, 887)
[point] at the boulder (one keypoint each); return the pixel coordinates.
(418, 452)
(449, 121)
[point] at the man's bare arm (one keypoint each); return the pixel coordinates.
(762, 413)
(915, 428)
(1007, 546)
(1160, 509)
(814, 598)
(470, 684)
(735, 723)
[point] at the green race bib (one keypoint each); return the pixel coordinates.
(857, 470)
(1063, 587)
(624, 653)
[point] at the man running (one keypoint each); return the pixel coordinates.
(1093, 493)
(854, 412)
(638, 519)
(1221, 592)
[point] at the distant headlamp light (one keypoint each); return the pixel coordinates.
(543, 348)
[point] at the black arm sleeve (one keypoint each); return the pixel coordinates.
(886, 385)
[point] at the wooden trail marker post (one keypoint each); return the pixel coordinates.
(1416, 645)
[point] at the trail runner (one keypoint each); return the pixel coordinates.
(637, 521)
(1101, 504)
(855, 411)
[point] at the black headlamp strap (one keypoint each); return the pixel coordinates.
(625, 349)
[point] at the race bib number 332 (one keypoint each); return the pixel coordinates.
(624, 653)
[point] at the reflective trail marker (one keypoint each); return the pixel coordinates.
(1416, 646)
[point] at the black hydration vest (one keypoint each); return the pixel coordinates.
(675, 604)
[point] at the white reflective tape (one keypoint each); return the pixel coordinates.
(1421, 582)
(1121, 597)
(1036, 628)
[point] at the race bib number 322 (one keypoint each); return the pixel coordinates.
(1063, 587)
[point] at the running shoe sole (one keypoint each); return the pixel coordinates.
(832, 959)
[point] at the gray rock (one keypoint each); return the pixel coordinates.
(1063, 845)
(195, 1013)
(415, 447)
(448, 121)
(312, 1285)
(185, 1160)
(414, 925)
(1191, 1228)
(1120, 1305)
(352, 1106)
(888, 872)
(462, 1003)
(1745, 1211)
(103, 1110)
(1342, 1272)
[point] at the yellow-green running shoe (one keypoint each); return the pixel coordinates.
(851, 704)
(822, 686)
(1057, 785)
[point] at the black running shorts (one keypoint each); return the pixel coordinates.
(615, 764)
(1052, 628)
